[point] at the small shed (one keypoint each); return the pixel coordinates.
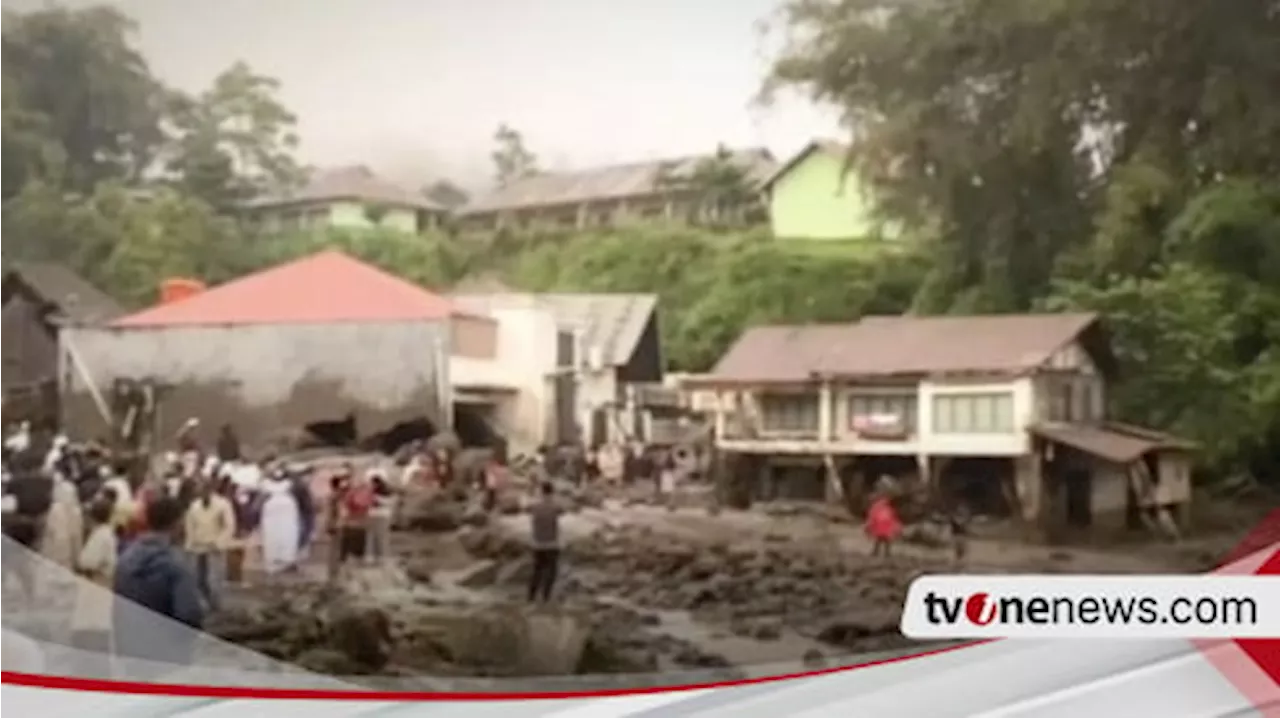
(38, 296)
(325, 338)
(1113, 476)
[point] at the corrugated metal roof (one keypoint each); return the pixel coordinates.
(635, 179)
(779, 353)
(75, 298)
(352, 183)
(325, 287)
(907, 345)
(1115, 443)
(612, 322)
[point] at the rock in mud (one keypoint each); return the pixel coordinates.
(476, 517)
(329, 662)
(362, 635)
(434, 514)
(849, 632)
(489, 544)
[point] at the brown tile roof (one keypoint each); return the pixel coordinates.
(900, 346)
(1117, 443)
(635, 179)
(67, 292)
(357, 183)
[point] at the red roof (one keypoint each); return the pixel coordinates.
(325, 287)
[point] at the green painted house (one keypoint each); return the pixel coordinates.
(814, 196)
(348, 198)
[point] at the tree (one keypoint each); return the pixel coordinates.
(234, 141)
(718, 189)
(446, 194)
(1173, 336)
(960, 116)
(511, 159)
(30, 153)
(76, 76)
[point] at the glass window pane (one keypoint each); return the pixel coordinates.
(1003, 413)
(984, 407)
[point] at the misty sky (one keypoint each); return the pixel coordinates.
(415, 88)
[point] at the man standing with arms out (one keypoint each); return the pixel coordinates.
(210, 527)
(545, 518)
(157, 610)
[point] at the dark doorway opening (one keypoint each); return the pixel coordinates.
(389, 442)
(338, 434)
(473, 423)
(1079, 486)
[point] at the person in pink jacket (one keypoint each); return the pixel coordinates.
(883, 525)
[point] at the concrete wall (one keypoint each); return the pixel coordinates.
(269, 378)
(473, 337)
(524, 361)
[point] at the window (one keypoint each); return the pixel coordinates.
(1061, 401)
(789, 413)
(903, 406)
(1088, 399)
(989, 413)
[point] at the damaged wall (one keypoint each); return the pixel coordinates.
(30, 349)
(525, 359)
(265, 379)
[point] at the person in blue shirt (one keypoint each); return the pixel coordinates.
(158, 611)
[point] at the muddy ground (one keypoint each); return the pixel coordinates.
(643, 589)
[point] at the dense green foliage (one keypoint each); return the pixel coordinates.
(1114, 155)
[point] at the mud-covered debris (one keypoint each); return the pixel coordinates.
(475, 516)
(328, 661)
(363, 635)
(432, 513)
(487, 543)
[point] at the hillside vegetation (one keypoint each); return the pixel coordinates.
(1131, 170)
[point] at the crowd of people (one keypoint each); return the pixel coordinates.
(170, 538)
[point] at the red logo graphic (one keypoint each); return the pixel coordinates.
(980, 609)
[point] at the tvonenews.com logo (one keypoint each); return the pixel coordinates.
(983, 609)
(1048, 606)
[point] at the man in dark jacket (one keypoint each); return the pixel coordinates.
(28, 496)
(157, 609)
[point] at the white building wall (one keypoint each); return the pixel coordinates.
(926, 440)
(525, 363)
(1012, 443)
(294, 373)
